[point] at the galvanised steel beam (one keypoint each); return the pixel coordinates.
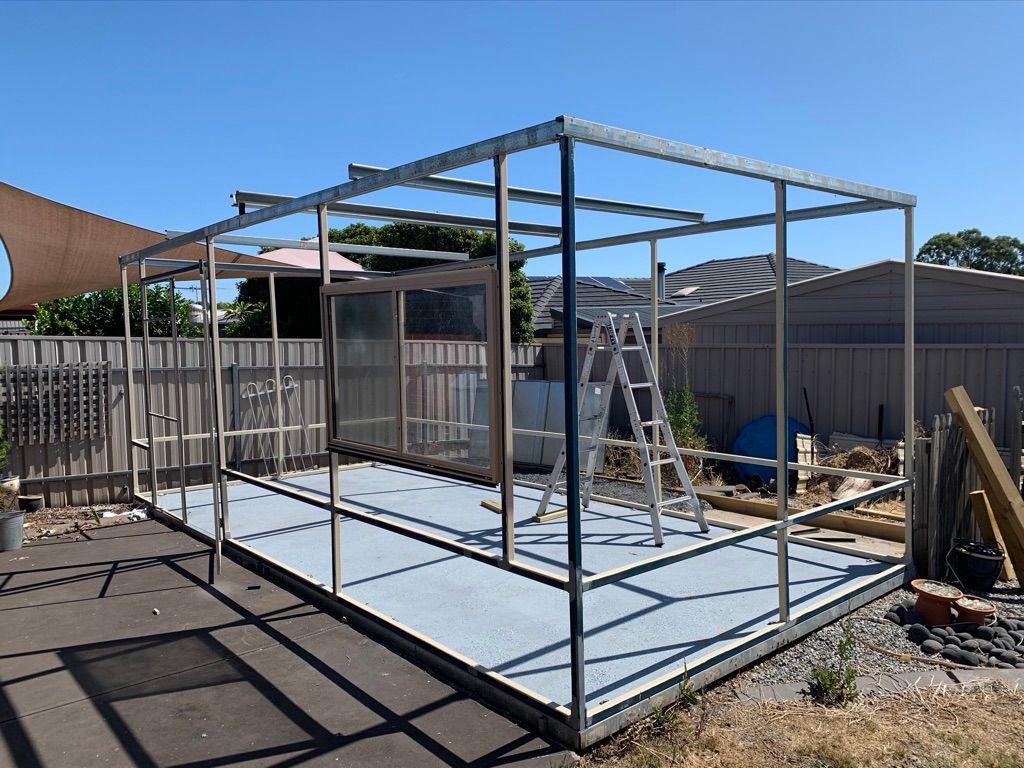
(387, 213)
(536, 196)
(722, 225)
(265, 269)
(313, 245)
(517, 141)
(702, 157)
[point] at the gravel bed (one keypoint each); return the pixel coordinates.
(794, 663)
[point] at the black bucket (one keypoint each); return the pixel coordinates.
(976, 565)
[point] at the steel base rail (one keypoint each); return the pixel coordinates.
(611, 716)
(534, 574)
(629, 570)
(527, 707)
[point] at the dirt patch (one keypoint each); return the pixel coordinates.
(69, 521)
(971, 727)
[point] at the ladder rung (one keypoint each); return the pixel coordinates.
(669, 502)
(645, 385)
(659, 462)
(631, 348)
(651, 423)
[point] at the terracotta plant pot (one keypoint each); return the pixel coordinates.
(934, 599)
(974, 610)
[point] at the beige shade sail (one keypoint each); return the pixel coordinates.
(56, 250)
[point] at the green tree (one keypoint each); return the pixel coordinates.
(973, 250)
(100, 313)
(295, 296)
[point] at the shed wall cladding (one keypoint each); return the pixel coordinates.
(870, 311)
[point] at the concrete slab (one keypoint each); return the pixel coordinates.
(224, 675)
(636, 630)
(1014, 678)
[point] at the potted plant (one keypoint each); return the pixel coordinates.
(934, 599)
(12, 519)
(974, 610)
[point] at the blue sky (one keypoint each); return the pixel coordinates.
(153, 113)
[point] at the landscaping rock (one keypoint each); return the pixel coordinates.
(971, 645)
(941, 632)
(1017, 636)
(964, 636)
(985, 633)
(1003, 665)
(893, 617)
(917, 633)
(954, 641)
(959, 656)
(985, 646)
(931, 647)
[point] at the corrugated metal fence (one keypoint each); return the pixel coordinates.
(845, 386)
(94, 470)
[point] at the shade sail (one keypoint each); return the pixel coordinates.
(56, 250)
(299, 257)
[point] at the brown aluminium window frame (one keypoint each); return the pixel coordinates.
(397, 286)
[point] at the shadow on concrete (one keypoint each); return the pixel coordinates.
(243, 673)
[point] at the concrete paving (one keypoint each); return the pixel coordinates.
(116, 651)
(636, 630)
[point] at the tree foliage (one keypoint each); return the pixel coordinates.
(100, 313)
(297, 297)
(971, 249)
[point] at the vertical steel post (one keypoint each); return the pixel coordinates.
(508, 519)
(323, 233)
(129, 387)
(276, 355)
(218, 384)
(908, 378)
(147, 383)
(211, 413)
(655, 431)
(578, 716)
(179, 401)
(782, 395)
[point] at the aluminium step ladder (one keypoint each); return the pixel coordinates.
(605, 335)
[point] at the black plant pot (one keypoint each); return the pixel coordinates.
(30, 503)
(977, 565)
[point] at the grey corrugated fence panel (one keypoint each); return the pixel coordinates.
(845, 384)
(97, 467)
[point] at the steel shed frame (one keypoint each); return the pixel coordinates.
(575, 724)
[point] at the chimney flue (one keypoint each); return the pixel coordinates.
(661, 279)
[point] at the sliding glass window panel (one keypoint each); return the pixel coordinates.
(446, 377)
(365, 367)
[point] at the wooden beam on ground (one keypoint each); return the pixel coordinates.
(1005, 500)
(989, 530)
(879, 529)
(554, 514)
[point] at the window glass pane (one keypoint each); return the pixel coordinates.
(365, 360)
(446, 378)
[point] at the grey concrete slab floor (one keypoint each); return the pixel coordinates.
(116, 651)
(635, 630)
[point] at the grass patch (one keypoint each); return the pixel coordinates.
(910, 728)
